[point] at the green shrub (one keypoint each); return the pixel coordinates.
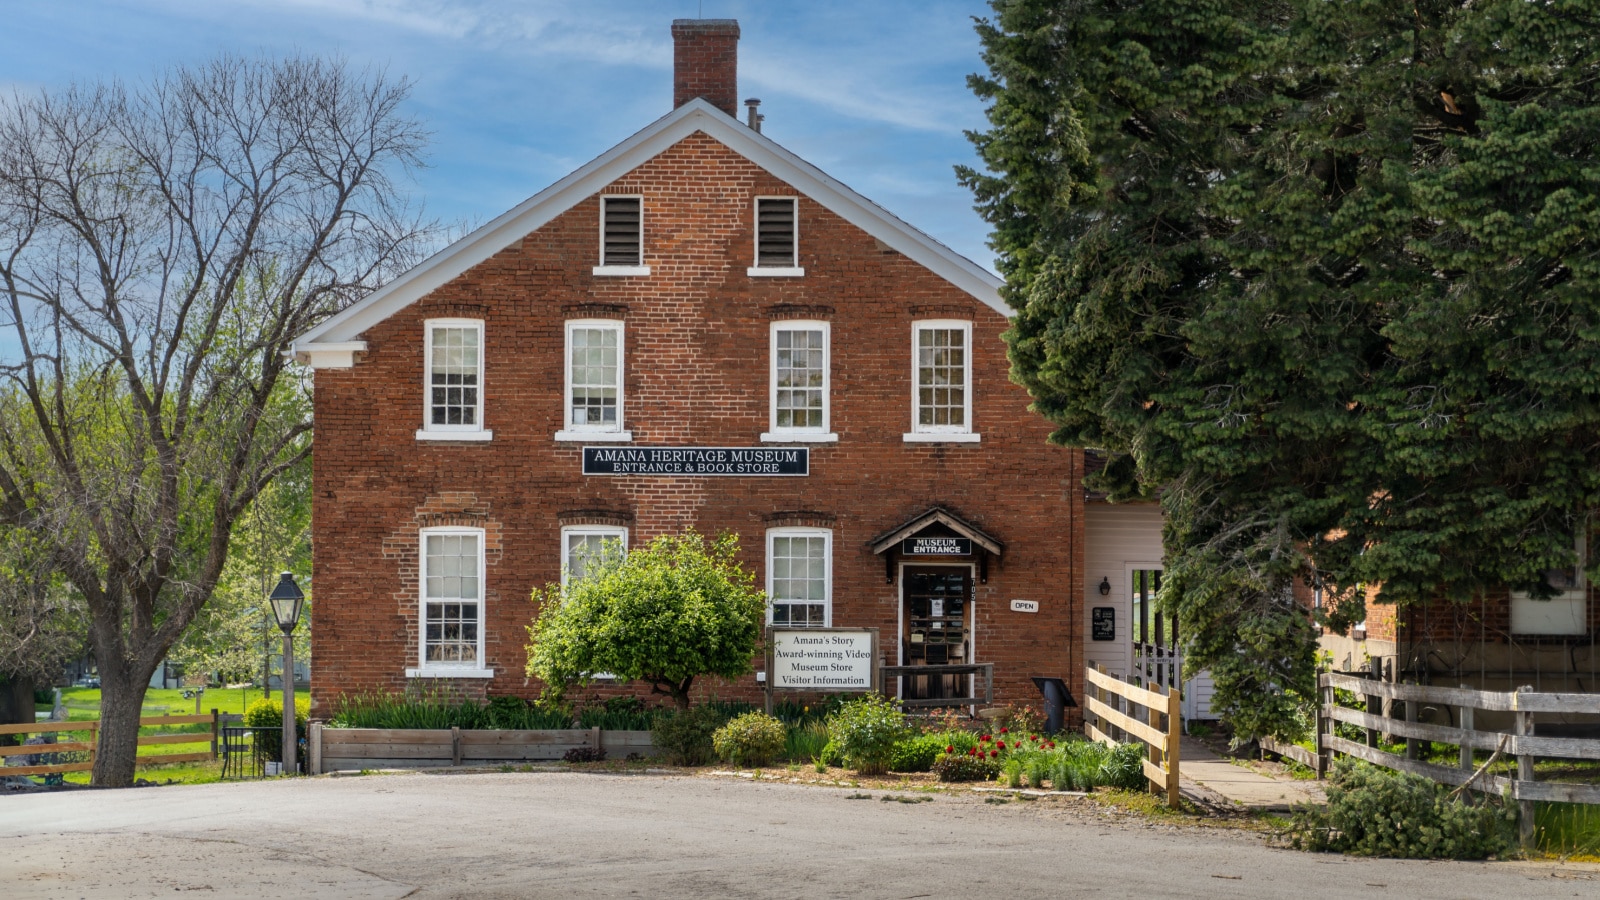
(962, 767)
(267, 712)
(805, 742)
(753, 739)
(957, 740)
(1123, 767)
(1375, 812)
(916, 754)
(831, 755)
(685, 735)
(867, 731)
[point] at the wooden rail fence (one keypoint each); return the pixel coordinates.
(92, 726)
(1381, 699)
(1161, 739)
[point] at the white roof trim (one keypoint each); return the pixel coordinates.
(696, 115)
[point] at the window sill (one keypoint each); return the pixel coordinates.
(426, 435)
(444, 672)
(617, 437)
(937, 437)
(621, 271)
(798, 437)
(775, 271)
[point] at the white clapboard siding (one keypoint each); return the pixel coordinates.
(1119, 537)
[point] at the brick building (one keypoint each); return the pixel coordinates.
(505, 408)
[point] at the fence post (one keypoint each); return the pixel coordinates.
(1524, 728)
(455, 745)
(314, 749)
(1174, 752)
(1324, 726)
(1411, 742)
(1466, 748)
(1374, 702)
(215, 728)
(1156, 754)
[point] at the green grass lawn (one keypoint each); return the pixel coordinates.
(83, 704)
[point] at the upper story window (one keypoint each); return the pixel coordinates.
(621, 236)
(454, 364)
(451, 613)
(800, 576)
(799, 382)
(1566, 613)
(941, 381)
(594, 380)
(583, 546)
(777, 250)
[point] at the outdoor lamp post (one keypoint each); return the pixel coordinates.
(286, 600)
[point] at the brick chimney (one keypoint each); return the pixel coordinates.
(705, 63)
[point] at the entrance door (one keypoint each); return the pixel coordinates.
(936, 628)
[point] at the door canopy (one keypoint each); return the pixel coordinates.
(937, 534)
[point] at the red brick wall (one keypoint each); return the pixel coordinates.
(705, 63)
(696, 375)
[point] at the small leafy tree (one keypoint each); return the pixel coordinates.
(668, 613)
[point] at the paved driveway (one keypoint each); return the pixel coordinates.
(580, 835)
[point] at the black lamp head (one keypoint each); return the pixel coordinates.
(286, 600)
(1105, 586)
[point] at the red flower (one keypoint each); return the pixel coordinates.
(1005, 731)
(1001, 745)
(950, 749)
(993, 753)
(986, 738)
(1051, 745)
(1034, 738)
(971, 750)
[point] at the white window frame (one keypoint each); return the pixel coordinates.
(430, 431)
(571, 432)
(621, 271)
(827, 587)
(778, 434)
(605, 531)
(756, 270)
(941, 433)
(429, 669)
(1564, 615)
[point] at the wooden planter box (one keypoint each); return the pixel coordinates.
(334, 749)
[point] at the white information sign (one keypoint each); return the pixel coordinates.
(1025, 606)
(809, 659)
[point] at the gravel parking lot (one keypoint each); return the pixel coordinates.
(550, 834)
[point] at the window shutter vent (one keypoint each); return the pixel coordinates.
(622, 231)
(775, 244)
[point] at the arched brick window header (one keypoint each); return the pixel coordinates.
(799, 311)
(619, 518)
(799, 518)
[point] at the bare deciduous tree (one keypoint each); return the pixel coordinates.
(159, 247)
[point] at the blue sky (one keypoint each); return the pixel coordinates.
(518, 94)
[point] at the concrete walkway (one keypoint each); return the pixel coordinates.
(1240, 786)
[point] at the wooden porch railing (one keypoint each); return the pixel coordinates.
(983, 691)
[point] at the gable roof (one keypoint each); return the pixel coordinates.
(339, 335)
(941, 516)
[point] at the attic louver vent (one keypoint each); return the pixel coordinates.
(775, 243)
(622, 226)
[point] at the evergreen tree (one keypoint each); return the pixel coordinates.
(1317, 275)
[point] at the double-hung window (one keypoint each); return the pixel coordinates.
(941, 381)
(594, 364)
(800, 576)
(451, 610)
(583, 547)
(799, 383)
(453, 365)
